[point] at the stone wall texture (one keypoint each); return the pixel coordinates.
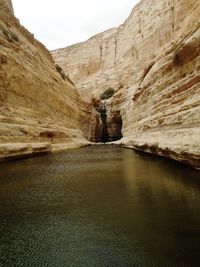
(39, 109)
(7, 6)
(153, 63)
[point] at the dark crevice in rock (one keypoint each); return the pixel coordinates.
(115, 127)
(107, 126)
(104, 132)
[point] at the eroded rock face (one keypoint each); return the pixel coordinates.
(39, 106)
(152, 62)
(7, 6)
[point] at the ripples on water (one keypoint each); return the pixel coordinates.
(99, 206)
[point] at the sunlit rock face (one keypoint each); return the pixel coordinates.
(152, 62)
(39, 105)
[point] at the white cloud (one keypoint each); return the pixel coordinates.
(65, 22)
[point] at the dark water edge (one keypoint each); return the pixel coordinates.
(99, 206)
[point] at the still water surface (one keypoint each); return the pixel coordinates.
(99, 206)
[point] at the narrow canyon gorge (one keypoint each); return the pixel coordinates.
(123, 111)
(137, 85)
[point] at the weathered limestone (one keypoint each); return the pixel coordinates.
(7, 6)
(152, 62)
(39, 105)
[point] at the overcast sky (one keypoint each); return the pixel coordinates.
(58, 23)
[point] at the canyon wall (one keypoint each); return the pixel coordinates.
(7, 6)
(152, 62)
(39, 105)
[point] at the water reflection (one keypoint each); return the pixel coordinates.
(160, 175)
(99, 206)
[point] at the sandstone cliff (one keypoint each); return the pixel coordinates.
(7, 6)
(152, 62)
(39, 105)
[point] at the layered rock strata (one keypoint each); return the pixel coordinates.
(152, 62)
(39, 105)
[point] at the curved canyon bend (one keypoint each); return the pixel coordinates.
(115, 124)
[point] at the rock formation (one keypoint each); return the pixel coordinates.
(152, 62)
(7, 6)
(39, 105)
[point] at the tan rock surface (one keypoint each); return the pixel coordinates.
(7, 6)
(153, 63)
(38, 107)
